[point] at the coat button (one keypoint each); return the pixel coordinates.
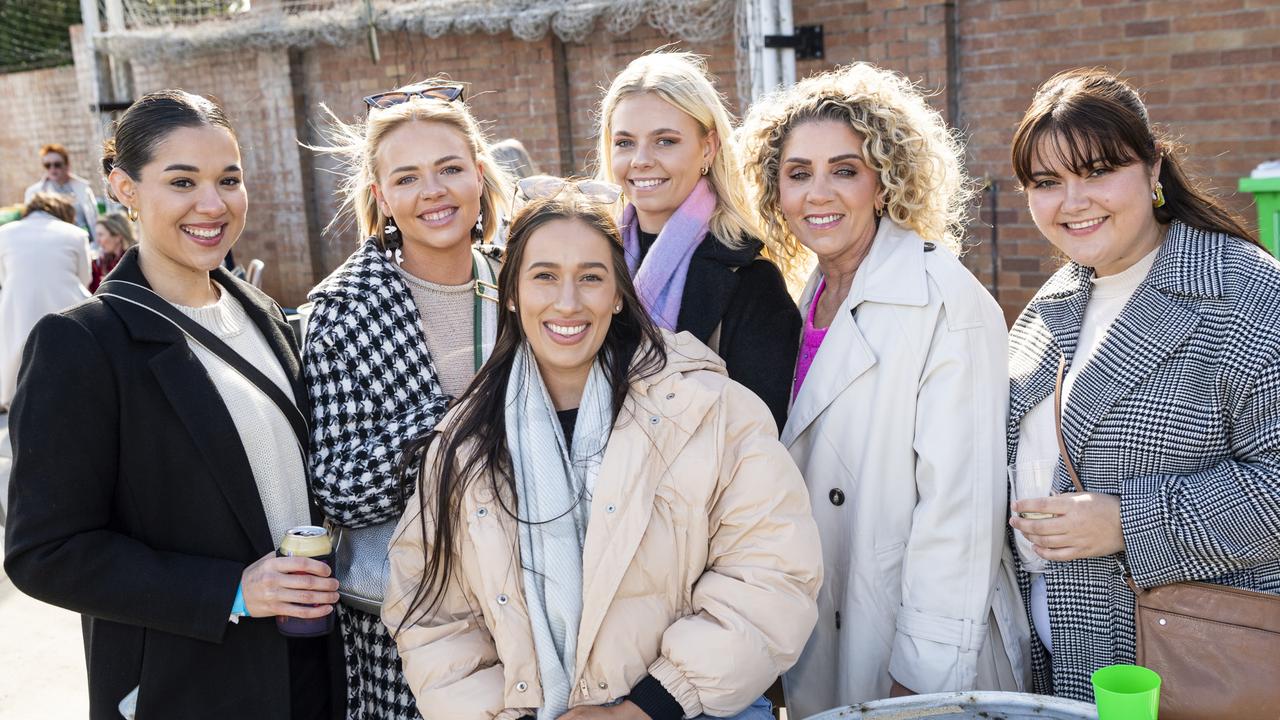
(610, 508)
(837, 496)
(603, 685)
(671, 396)
(481, 512)
(522, 686)
(653, 420)
(502, 599)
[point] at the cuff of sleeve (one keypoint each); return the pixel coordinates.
(1148, 546)
(674, 682)
(654, 699)
(237, 606)
(935, 654)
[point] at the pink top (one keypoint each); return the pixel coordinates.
(810, 341)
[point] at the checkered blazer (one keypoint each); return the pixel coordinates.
(373, 387)
(1178, 413)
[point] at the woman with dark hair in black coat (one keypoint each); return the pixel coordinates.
(152, 481)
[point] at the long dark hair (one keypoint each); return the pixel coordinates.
(1097, 117)
(148, 121)
(633, 349)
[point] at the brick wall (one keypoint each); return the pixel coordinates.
(1210, 70)
(42, 106)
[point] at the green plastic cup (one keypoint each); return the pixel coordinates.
(1126, 692)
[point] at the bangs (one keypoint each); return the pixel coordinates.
(1077, 139)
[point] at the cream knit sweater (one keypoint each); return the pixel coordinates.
(265, 433)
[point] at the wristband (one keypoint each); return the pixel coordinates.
(238, 609)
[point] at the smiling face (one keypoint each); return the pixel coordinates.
(568, 295)
(658, 153)
(428, 182)
(190, 200)
(1100, 217)
(826, 191)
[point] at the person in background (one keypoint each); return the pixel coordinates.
(399, 329)
(692, 241)
(44, 266)
(605, 525)
(59, 179)
(115, 236)
(514, 158)
(1164, 326)
(151, 482)
(898, 409)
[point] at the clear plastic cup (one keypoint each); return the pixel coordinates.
(1031, 479)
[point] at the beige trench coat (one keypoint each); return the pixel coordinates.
(700, 568)
(899, 432)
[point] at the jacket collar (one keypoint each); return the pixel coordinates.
(893, 273)
(368, 267)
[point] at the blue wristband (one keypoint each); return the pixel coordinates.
(237, 607)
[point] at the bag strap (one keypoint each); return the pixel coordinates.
(147, 299)
(1057, 424)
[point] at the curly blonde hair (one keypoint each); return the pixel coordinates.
(684, 82)
(355, 145)
(918, 159)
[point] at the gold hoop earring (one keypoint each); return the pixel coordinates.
(133, 215)
(705, 170)
(1157, 195)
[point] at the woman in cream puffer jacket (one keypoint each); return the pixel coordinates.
(700, 559)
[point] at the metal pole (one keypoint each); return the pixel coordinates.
(786, 56)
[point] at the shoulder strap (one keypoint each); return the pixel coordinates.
(143, 297)
(1057, 424)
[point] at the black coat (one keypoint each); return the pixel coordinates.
(132, 502)
(759, 323)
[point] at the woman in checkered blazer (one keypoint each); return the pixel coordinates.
(1167, 323)
(398, 330)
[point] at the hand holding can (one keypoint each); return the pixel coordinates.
(294, 584)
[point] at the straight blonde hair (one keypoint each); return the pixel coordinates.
(683, 81)
(356, 145)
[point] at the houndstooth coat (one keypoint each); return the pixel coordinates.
(373, 387)
(1178, 413)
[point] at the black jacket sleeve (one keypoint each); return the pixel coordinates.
(760, 336)
(64, 540)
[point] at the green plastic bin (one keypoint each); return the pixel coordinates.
(1266, 195)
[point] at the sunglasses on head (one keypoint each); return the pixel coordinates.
(391, 98)
(538, 187)
(55, 164)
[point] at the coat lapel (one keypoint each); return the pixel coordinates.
(1159, 317)
(894, 274)
(196, 402)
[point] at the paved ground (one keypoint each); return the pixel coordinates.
(41, 654)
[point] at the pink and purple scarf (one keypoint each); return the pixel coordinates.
(660, 279)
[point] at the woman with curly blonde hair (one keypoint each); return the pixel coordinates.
(691, 238)
(898, 402)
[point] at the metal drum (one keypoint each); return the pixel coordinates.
(986, 705)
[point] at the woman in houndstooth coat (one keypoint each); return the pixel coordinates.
(397, 331)
(1167, 322)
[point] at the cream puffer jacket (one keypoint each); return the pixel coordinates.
(701, 565)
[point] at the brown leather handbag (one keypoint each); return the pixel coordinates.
(1216, 648)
